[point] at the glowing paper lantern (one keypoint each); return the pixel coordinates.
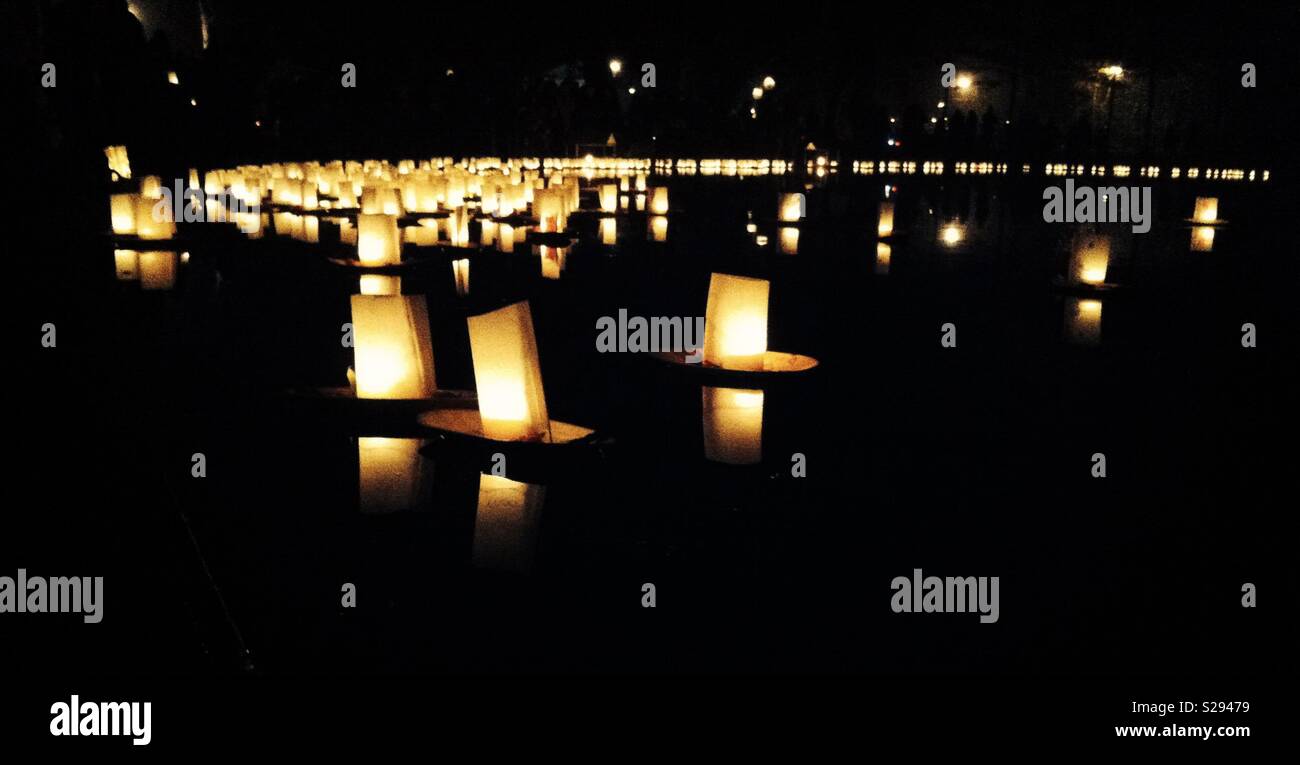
(460, 270)
(735, 322)
(733, 425)
(1090, 259)
(392, 347)
(608, 198)
(378, 243)
(790, 208)
(157, 270)
(122, 212)
(154, 218)
(885, 220)
(151, 187)
(511, 401)
(392, 474)
(505, 527)
(1207, 210)
(659, 200)
(118, 161)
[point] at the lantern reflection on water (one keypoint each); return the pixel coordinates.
(883, 254)
(1083, 321)
(608, 231)
(392, 347)
(789, 240)
(511, 400)
(733, 425)
(460, 270)
(1202, 238)
(380, 284)
(157, 270)
(735, 322)
(127, 265)
(608, 198)
(153, 218)
(505, 526)
(657, 228)
(392, 474)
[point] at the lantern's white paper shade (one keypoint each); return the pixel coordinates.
(154, 218)
(392, 474)
(511, 401)
(1207, 210)
(157, 270)
(506, 525)
(735, 322)
(378, 241)
(733, 425)
(790, 207)
(659, 200)
(608, 198)
(122, 210)
(885, 221)
(392, 346)
(1090, 259)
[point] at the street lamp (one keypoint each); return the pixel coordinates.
(615, 67)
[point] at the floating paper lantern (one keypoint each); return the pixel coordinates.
(151, 187)
(127, 265)
(790, 208)
(118, 161)
(511, 401)
(885, 219)
(157, 270)
(659, 200)
(1090, 259)
(1207, 210)
(392, 347)
(122, 212)
(506, 241)
(154, 218)
(506, 524)
(735, 322)
(460, 270)
(1202, 238)
(608, 198)
(377, 240)
(548, 209)
(1083, 321)
(392, 474)
(789, 240)
(733, 425)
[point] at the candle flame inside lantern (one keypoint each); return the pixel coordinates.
(733, 425)
(1207, 210)
(735, 322)
(512, 402)
(392, 346)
